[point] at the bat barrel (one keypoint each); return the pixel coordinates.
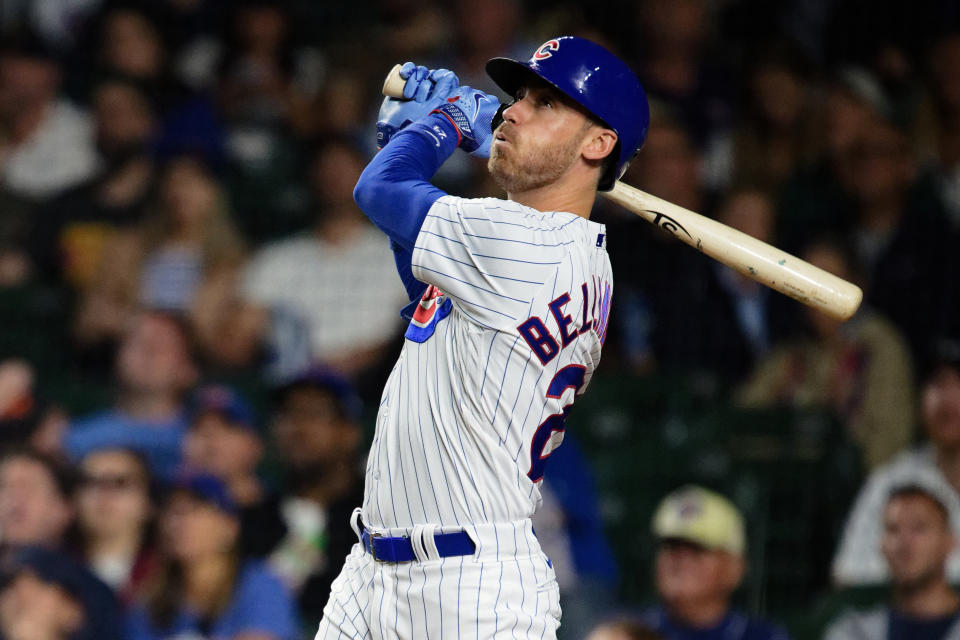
(753, 258)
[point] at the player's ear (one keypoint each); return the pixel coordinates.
(599, 143)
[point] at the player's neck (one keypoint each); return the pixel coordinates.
(558, 196)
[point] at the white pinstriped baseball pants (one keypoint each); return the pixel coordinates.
(507, 589)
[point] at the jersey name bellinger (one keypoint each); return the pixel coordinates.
(595, 311)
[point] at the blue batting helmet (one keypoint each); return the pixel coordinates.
(594, 78)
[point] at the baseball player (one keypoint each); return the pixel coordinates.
(512, 299)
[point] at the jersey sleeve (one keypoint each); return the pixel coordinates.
(491, 256)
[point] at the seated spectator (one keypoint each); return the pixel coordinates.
(936, 132)
(129, 43)
(222, 441)
(114, 519)
(154, 368)
(48, 144)
(318, 437)
(75, 228)
(178, 256)
(670, 167)
(869, 188)
(623, 630)
(267, 93)
(725, 322)
(917, 539)
(675, 64)
(860, 369)
(319, 296)
(901, 235)
(202, 586)
(819, 196)
(700, 563)
(934, 465)
(266, 80)
(46, 595)
(774, 138)
(36, 493)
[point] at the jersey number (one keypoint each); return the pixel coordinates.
(571, 376)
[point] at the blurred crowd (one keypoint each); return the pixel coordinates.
(196, 320)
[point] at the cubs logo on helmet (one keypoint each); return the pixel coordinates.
(546, 49)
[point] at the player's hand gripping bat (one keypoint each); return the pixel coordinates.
(753, 258)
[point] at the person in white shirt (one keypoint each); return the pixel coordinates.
(48, 143)
(935, 466)
(318, 297)
(917, 539)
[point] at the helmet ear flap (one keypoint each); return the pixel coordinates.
(498, 117)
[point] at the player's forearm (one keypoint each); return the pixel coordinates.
(394, 190)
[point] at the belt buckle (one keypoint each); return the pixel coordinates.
(373, 548)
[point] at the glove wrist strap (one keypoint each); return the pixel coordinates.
(461, 123)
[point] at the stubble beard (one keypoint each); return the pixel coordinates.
(521, 168)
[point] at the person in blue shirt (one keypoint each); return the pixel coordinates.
(154, 369)
(203, 589)
(700, 563)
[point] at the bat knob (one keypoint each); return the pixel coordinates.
(393, 84)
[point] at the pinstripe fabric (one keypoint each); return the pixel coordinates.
(458, 414)
(467, 413)
(506, 590)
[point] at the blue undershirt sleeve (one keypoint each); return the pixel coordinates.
(403, 257)
(394, 189)
(395, 193)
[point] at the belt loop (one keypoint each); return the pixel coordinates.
(417, 537)
(355, 523)
(474, 535)
(428, 535)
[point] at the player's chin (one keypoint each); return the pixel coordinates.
(498, 163)
(499, 149)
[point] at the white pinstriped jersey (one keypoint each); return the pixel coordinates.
(509, 331)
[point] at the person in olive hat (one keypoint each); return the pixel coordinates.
(699, 565)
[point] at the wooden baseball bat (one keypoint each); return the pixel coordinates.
(753, 258)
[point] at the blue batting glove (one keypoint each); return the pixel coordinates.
(424, 84)
(471, 111)
(424, 91)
